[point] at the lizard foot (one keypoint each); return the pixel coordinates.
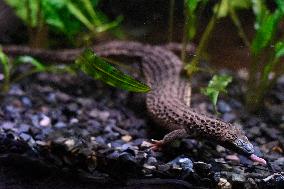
(156, 145)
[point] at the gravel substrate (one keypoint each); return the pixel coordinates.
(77, 126)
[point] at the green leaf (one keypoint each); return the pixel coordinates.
(280, 5)
(59, 18)
(30, 60)
(260, 10)
(110, 25)
(266, 31)
(5, 63)
(77, 13)
(217, 84)
(65, 16)
(192, 5)
(97, 68)
(20, 7)
(226, 5)
(51, 10)
(6, 70)
(91, 11)
(279, 49)
(223, 9)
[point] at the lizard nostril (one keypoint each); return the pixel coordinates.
(247, 147)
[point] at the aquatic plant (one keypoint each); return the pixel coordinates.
(12, 72)
(73, 17)
(100, 69)
(266, 46)
(65, 17)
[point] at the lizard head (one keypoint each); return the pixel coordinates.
(235, 140)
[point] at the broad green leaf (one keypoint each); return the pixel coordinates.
(266, 31)
(280, 5)
(279, 49)
(97, 68)
(217, 84)
(30, 60)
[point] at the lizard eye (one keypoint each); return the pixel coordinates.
(244, 146)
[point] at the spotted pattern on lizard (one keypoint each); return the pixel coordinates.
(168, 101)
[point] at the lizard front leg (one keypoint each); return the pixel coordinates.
(168, 138)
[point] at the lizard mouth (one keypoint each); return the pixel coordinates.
(255, 158)
(247, 149)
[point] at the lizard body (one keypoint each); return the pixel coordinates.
(168, 101)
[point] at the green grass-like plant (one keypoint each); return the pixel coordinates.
(65, 17)
(12, 74)
(266, 46)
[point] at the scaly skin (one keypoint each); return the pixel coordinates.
(168, 101)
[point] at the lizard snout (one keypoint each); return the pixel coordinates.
(244, 146)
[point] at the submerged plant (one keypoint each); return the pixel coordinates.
(98, 68)
(13, 74)
(67, 17)
(266, 47)
(216, 85)
(88, 62)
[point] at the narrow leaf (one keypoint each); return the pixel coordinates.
(6, 70)
(5, 62)
(30, 60)
(260, 10)
(97, 68)
(279, 49)
(73, 9)
(20, 7)
(266, 31)
(110, 25)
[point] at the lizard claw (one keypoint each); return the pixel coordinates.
(156, 145)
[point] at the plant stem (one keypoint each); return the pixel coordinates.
(185, 33)
(39, 25)
(171, 20)
(265, 82)
(252, 85)
(257, 87)
(203, 43)
(236, 21)
(29, 21)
